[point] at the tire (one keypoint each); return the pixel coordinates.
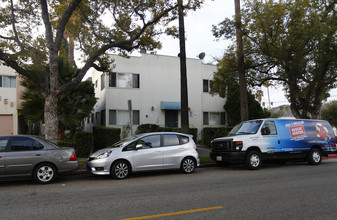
(120, 170)
(44, 173)
(188, 165)
(253, 160)
(315, 157)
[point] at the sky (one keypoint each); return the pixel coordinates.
(199, 38)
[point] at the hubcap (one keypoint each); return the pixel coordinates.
(188, 165)
(45, 173)
(316, 157)
(121, 170)
(254, 160)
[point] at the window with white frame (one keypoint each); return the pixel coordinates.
(214, 118)
(8, 81)
(124, 80)
(122, 117)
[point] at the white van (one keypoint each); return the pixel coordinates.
(254, 141)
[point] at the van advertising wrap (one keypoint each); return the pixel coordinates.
(276, 139)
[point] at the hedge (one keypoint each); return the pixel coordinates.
(104, 136)
(210, 133)
(82, 142)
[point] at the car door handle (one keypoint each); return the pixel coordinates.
(38, 155)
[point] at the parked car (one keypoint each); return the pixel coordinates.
(144, 152)
(254, 141)
(34, 156)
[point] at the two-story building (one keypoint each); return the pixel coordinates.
(10, 91)
(152, 84)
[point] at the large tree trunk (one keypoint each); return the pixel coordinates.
(183, 72)
(50, 117)
(241, 68)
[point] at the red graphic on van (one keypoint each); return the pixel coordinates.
(297, 131)
(322, 132)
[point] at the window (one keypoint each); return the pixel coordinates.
(207, 85)
(170, 140)
(122, 117)
(124, 80)
(3, 143)
(8, 81)
(25, 144)
(102, 81)
(103, 117)
(214, 118)
(152, 141)
(269, 128)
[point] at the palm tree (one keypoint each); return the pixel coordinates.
(73, 106)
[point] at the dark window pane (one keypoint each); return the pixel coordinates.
(135, 79)
(21, 144)
(112, 117)
(150, 141)
(205, 85)
(223, 118)
(205, 118)
(112, 80)
(136, 120)
(184, 139)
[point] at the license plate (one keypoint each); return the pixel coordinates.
(218, 158)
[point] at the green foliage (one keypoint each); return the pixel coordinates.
(233, 104)
(145, 128)
(329, 113)
(210, 133)
(98, 27)
(290, 42)
(104, 136)
(82, 142)
(73, 106)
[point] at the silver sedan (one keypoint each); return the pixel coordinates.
(33, 156)
(150, 151)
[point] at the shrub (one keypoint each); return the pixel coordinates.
(83, 143)
(104, 137)
(210, 133)
(145, 128)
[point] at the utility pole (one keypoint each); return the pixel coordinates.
(241, 68)
(183, 72)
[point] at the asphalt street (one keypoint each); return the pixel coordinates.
(291, 191)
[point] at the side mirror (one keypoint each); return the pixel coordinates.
(139, 146)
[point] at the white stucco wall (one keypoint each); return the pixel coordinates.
(159, 81)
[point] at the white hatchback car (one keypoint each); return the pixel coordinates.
(144, 152)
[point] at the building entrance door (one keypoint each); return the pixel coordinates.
(171, 118)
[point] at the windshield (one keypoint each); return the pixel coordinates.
(247, 127)
(122, 142)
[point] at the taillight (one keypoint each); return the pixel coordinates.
(73, 157)
(195, 148)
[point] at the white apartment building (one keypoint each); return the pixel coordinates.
(152, 83)
(9, 101)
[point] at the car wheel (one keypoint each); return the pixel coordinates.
(120, 170)
(188, 165)
(44, 173)
(253, 160)
(315, 157)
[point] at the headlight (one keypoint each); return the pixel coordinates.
(104, 155)
(238, 145)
